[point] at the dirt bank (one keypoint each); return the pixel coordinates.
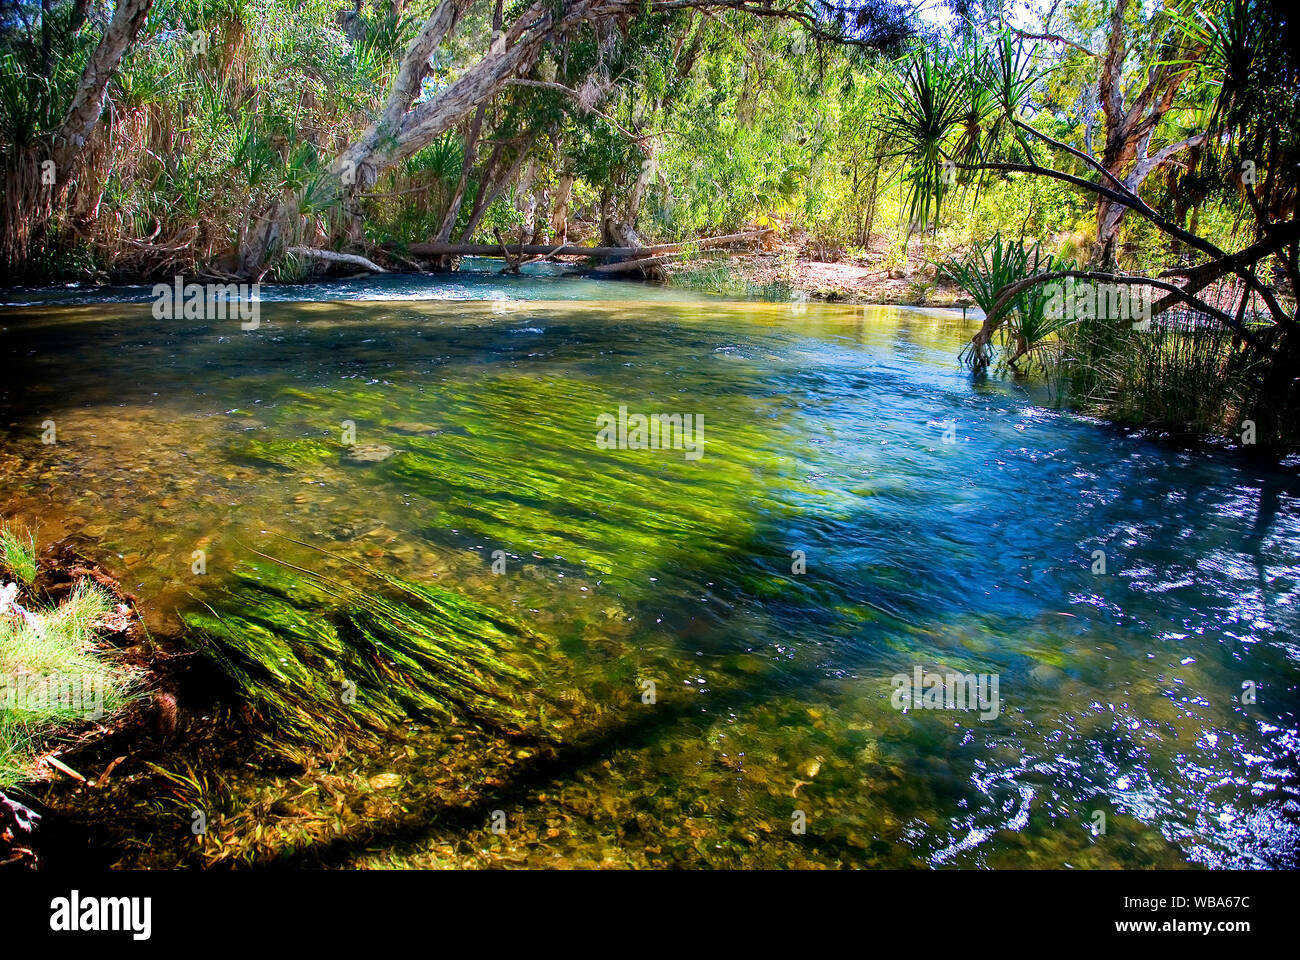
(801, 270)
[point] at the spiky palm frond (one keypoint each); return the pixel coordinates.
(926, 109)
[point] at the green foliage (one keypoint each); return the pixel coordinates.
(54, 677)
(1246, 59)
(993, 266)
(927, 109)
(18, 555)
(27, 103)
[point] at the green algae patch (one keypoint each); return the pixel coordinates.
(289, 454)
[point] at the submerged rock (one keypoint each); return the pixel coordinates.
(810, 768)
(358, 528)
(1046, 675)
(407, 426)
(368, 452)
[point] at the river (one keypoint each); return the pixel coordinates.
(492, 641)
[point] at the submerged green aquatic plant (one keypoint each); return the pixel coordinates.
(322, 660)
(287, 453)
(522, 470)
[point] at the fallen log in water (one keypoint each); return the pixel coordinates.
(331, 256)
(649, 263)
(574, 250)
(639, 263)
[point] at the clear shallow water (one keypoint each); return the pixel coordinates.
(824, 432)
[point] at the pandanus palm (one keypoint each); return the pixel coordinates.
(948, 110)
(926, 110)
(992, 266)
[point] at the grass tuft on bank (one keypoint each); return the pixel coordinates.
(56, 675)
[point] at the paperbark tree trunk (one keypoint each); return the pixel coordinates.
(560, 209)
(88, 102)
(489, 191)
(468, 156)
(357, 168)
(1125, 154)
(31, 199)
(470, 151)
(404, 127)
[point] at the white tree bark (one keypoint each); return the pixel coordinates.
(87, 104)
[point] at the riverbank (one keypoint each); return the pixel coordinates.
(796, 269)
(778, 271)
(74, 667)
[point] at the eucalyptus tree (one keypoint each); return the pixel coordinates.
(413, 117)
(1135, 98)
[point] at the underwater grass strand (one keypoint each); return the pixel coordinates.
(289, 644)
